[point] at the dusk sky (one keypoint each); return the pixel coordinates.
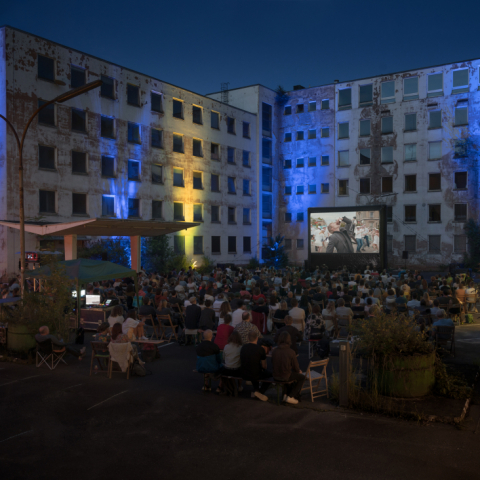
(197, 44)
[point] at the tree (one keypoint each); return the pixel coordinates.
(275, 255)
(156, 253)
(115, 249)
(282, 97)
(472, 230)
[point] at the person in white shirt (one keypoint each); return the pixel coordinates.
(413, 303)
(132, 327)
(298, 315)
(217, 304)
(237, 314)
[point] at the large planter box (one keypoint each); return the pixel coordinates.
(20, 339)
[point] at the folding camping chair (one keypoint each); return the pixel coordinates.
(46, 354)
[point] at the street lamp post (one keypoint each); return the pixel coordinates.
(20, 142)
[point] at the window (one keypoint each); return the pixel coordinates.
(231, 125)
(388, 92)
(364, 128)
(312, 134)
(157, 173)
(387, 154)
(410, 122)
(343, 130)
(288, 217)
(133, 170)
(390, 243)
(133, 95)
(46, 116)
(107, 88)
(157, 209)
(156, 102)
(387, 184)
(47, 201)
(312, 189)
(46, 68)
(365, 156)
(343, 188)
(267, 206)
(434, 150)
(300, 135)
(247, 242)
(197, 116)
(312, 161)
(108, 166)
(460, 212)
(460, 181)
(287, 110)
(435, 119)
(267, 179)
(287, 164)
(133, 133)
(459, 243)
(46, 157)
(345, 99)
(231, 155)
(107, 127)
(246, 158)
(215, 151)
(231, 185)
(312, 106)
(461, 115)
(266, 151)
(177, 108)
(108, 206)
(300, 163)
(325, 160)
(215, 214)
(300, 108)
(410, 89)
(157, 138)
(246, 216)
(246, 130)
(215, 120)
(299, 216)
(364, 185)
(299, 243)
(288, 189)
(215, 183)
(178, 211)
(389, 213)
(460, 81)
(288, 244)
(343, 159)
(366, 95)
(300, 190)
(324, 187)
(460, 148)
(197, 181)
(177, 143)
(266, 119)
(410, 183)
(179, 245)
(134, 207)
(434, 213)
(232, 244)
(434, 242)
(411, 243)
(434, 181)
(246, 187)
(410, 152)
(435, 85)
(387, 125)
(77, 76)
(325, 132)
(325, 104)
(231, 215)
(178, 177)
(198, 212)
(79, 204)
(410, 213)
(197, 149)
(215, 244)
(197, 245)
(79, 162)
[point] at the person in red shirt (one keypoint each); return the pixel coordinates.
(223, 332)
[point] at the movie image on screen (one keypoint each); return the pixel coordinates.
(345, 232)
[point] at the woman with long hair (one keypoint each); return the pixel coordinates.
(224, 310)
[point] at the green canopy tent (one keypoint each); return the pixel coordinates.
(83, 271)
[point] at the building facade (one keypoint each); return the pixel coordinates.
(245, 169)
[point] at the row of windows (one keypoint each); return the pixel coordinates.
(47, 71)
(434, 243)
(310, 107)
(216, 245)
(434, 88)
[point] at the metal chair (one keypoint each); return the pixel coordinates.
(46, 354)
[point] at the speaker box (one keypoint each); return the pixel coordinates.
(405, 255)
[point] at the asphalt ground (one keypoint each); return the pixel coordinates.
(65, 424)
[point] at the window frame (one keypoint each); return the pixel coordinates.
(178, 115)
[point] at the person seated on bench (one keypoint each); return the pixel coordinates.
(295, 334)
(253, 360)
(192, 314)
(286, 368)
(132, 327)
(209, 358)
(224, 331)
(58, 345)
(441, 322)
(207, 317)
(231, 359)
(246, 326)
(280, 314)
